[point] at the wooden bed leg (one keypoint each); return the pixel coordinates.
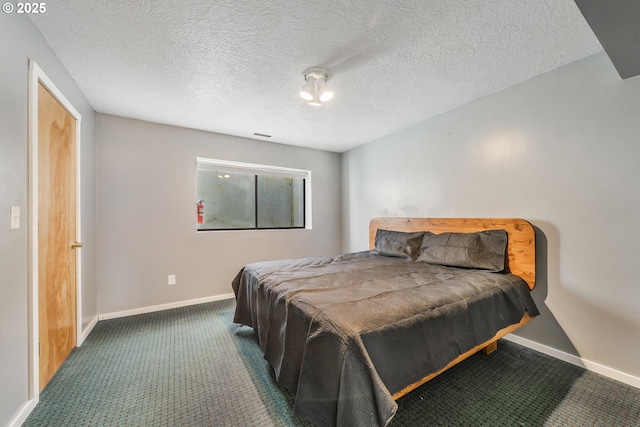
(490, 348)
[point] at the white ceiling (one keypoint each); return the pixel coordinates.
(235, 67)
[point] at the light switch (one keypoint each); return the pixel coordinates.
(15, 217)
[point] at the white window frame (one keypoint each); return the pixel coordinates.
(257, 169)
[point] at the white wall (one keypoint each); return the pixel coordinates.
(147, 213)
(20, 42)
(562, 151)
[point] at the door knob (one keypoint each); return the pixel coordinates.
(76, 245)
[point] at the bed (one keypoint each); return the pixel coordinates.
(351, 334)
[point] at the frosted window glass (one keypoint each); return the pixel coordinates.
(229, 199)
(243, 196)
(280, 202)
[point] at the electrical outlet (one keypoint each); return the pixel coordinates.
(172, 279)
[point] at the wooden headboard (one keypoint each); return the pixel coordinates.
(521, 246)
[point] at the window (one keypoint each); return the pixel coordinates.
(246, 196)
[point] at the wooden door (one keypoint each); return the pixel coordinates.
(56, 234)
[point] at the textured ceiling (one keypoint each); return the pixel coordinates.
(235, 67)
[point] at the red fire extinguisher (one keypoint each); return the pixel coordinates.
(200, 210)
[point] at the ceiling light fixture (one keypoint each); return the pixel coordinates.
(316, 90)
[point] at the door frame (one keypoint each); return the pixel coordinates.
(36, 76)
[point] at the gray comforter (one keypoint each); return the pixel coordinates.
(345, 333)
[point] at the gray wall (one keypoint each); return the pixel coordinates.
(562, 151)
(21, 41)
(147, 213)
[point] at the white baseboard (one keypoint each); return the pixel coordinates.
(576, 360)
(23, 413)
(160, 307)
(87, 330)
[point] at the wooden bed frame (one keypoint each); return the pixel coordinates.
(520, 260)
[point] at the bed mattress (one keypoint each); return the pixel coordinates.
(345, 333)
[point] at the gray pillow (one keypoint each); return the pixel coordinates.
(485, 249)
(398, 244)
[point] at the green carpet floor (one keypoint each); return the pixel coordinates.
(192, 366)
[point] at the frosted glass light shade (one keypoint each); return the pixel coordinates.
(306, 91)
(324, 90)
(316, 90)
